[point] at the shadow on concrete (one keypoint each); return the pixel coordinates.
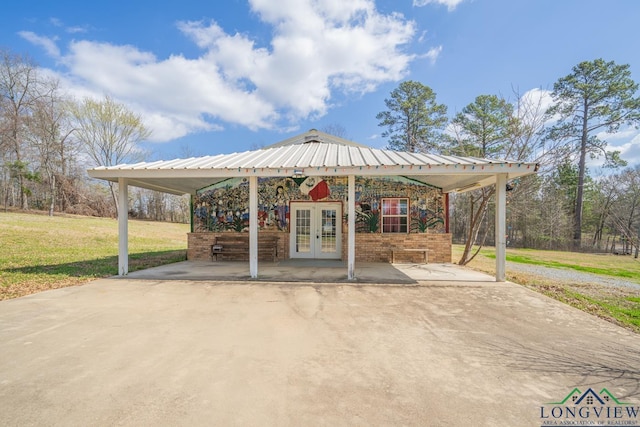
(312, 271)
(596, 366)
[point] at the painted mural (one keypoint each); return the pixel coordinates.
(225, 205)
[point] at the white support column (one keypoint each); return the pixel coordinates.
(351, 242)
(501, 228)
(253, 226)
(123, 227)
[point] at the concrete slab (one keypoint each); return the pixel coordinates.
(144, 351)
(313, 271)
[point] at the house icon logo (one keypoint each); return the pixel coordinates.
(589, 408)
(589, 397)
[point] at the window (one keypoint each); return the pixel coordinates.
(395, 215)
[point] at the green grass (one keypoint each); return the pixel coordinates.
(626, 310)
(618, 305)
(41, 252)
(625, 266)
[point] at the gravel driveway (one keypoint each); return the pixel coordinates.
(572, 276)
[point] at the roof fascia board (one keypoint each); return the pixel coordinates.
(513, 169)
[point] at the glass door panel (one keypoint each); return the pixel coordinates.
(328, 233)
(303, 230)
(316, 230)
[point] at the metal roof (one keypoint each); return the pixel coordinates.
(314, 153)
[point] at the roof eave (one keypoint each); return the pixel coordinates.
(189, 180)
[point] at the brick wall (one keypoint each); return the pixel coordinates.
(199, 244)
(370, 247)
(376, 247)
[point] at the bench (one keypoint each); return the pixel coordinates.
(425, 251)
(236, 247)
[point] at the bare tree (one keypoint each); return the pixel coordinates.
(336, 129)
(19, 90)
(48, 132)
(108, 132)
(491, 127)
(625, 214)
(603, 195)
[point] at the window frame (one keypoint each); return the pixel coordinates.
(405, 215)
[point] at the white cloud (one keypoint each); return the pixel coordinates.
(48, 44)
(71, 30)
(624, 134)
(630, 151)
(177, 92)
(627, 141)
(451, 4)
(533, 105)
(76, 30)
(318, 49)
(433, 54)
(541, 98)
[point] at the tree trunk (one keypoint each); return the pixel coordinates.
(475, 220)
(482, 242)
(24, 200)
(115, 197)
(597, 236)
(52, 181)
(577, 222)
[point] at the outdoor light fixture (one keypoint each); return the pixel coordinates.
(298, 173)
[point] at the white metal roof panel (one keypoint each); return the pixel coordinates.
(307, 156)
(317, 154)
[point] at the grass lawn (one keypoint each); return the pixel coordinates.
(41, 252)
(618, 305)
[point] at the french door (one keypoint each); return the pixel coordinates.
(316, 230)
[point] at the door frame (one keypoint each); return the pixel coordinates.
(316, 208)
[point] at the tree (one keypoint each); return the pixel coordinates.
(48, 133)
(19, 89)
(335, 129)
(625, 214)
(414, 120)
(604, 194)
(553, 232)
(598, 96)
(480, 130)
(109, 132)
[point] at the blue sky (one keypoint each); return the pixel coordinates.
(227, 76)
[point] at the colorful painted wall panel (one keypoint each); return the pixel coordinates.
(225, 205)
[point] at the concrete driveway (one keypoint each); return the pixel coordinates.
(145, 352)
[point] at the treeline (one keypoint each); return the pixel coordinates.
(48, 140)
(540, 212)
(562, 207)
